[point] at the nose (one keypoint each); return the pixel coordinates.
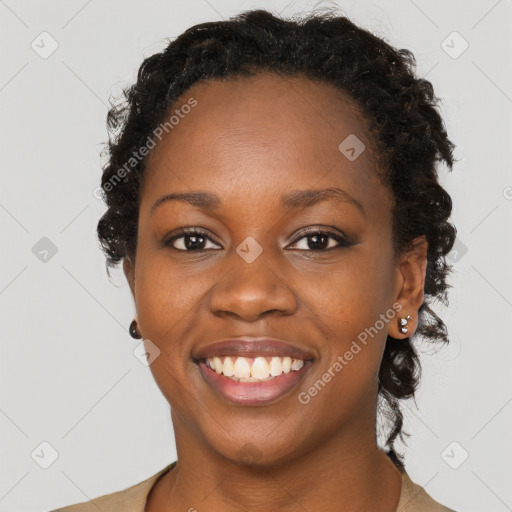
(251, 290)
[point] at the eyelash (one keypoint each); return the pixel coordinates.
(305, 233)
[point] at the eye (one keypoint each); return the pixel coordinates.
(319, 240)
(312, 239)
(191, 240)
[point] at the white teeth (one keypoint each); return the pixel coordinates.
(262, 369)
(242, 368)
(217, 365)
(229, 369)
(276, 367)
(297, 364)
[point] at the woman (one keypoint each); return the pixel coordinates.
(272, 194)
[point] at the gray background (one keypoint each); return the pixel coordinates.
(69, 376)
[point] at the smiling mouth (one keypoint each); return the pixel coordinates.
(253, 381)
(253, 369)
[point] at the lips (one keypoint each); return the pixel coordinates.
(253, 393)
(252, 347)
(241, 391)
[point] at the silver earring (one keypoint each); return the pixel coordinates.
(402, 324)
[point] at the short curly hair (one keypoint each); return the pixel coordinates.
(399, 109)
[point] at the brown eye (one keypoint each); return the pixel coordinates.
(321, 240)
(191, 240)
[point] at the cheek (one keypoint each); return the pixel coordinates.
(166, 302)
(167, 308)
(352, 307)
(353, 294)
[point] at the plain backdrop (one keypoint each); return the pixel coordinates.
(80, 416)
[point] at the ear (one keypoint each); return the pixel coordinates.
(410, 285)
(129, 272)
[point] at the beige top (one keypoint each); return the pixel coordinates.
(133, 499)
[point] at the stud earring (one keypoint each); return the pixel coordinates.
(402, 324)
(133, 330)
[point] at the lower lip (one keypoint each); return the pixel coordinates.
(253, 393)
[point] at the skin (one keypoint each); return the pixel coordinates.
(250, 141)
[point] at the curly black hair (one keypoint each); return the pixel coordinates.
(399, 109)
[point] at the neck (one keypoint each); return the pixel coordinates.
(348, 468)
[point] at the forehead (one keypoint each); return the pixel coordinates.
(265, 133)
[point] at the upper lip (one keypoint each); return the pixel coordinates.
(252, 347)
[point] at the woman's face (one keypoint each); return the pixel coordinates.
(252, 143)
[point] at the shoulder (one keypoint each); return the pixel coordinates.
(132, 499)
(414, 498)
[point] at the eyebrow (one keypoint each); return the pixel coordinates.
(298, 199)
